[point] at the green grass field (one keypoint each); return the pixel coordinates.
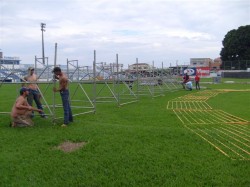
(146, 143)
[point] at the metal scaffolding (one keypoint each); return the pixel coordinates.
(18, 80)
(79, 99)
(102, 83)
(110, 85)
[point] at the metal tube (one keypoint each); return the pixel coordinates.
(54, 94)
(137, 76)
(118, 81)
(94, 86)
(78, 72)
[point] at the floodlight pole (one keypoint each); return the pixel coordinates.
(43, 25)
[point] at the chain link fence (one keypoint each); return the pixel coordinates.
(236, 65)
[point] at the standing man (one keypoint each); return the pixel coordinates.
(34, 94)
(21, 111)
(64, 92)
(197, 82)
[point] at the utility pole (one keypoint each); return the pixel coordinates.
(43, 25)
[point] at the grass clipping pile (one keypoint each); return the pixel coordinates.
(68, 146)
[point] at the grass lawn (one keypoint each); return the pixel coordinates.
(140, 144)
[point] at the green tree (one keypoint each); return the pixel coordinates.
(236, 47)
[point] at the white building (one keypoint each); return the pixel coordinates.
(140, 67)
(9, 62)
(200, 62)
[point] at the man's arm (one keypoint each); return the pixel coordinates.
(22, 105)
(24, 80)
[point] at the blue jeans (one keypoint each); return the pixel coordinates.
(66, 107)
(35, 95)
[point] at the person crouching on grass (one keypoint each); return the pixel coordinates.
(189, 85)
(64, 92)
(21, 112)
(185, 80)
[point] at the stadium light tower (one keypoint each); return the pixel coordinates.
(43, 25)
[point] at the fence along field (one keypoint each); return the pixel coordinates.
(226, 132)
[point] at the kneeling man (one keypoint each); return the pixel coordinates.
(189, 85)
(21, 111)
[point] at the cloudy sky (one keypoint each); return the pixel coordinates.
(167, 31)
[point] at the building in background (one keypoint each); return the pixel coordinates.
(203, 66)
(200, 62)
(206, 62)
(9, 62)
(143, 69)
(10, 69)
(216, 64)
(140, 67)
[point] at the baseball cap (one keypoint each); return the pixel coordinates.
(31, 68)
(23, 89)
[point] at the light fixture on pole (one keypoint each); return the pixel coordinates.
(43, 25)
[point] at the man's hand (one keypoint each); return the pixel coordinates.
(54, 89)
(39, 110)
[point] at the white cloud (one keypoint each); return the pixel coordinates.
(159, 30)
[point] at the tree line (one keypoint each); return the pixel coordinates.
(236, 48)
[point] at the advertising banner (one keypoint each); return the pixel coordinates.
(190, 71)
(203, 71)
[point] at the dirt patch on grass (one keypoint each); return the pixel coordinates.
(70, 146)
